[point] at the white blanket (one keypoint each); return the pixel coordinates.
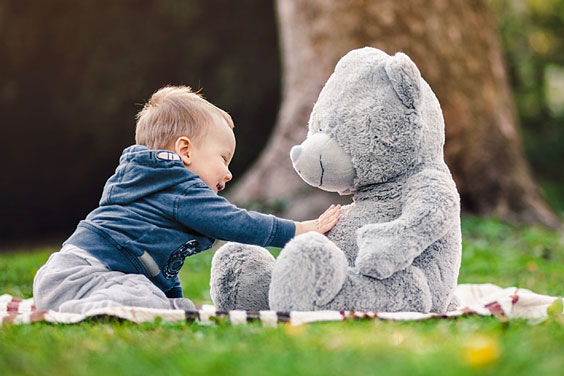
(475, 299)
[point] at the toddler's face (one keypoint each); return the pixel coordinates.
(211, 154)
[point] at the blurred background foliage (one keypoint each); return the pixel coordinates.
(73, 73)
(532, 36)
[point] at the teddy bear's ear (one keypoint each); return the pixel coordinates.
(405, 79)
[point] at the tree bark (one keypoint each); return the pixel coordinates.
(455, 45)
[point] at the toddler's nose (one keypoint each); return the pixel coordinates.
(295, 153)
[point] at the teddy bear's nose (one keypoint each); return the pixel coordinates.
(295, 153)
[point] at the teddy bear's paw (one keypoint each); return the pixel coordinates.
(380, 255)
(240, 277)
(374, 267)
(308, 274)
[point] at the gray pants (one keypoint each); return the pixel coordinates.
(74, 281)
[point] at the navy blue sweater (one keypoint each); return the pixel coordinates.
(154, 213)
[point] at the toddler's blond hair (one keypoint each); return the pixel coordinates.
(175, 111)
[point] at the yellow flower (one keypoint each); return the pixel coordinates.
(481, 349)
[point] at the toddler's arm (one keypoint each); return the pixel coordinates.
(324, 223)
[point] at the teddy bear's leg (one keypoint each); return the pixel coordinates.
(308, 274)
(406, 290)
(240, 277)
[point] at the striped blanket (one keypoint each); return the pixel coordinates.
(475, 299)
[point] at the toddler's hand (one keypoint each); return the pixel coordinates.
(324, 223)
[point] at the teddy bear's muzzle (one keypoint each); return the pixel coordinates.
(321, 161)
(295, 153)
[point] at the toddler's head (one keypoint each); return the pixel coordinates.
(177, 119)
(176, 111)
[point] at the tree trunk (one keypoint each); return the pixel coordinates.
(455, 45)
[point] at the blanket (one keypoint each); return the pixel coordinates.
(475, 299)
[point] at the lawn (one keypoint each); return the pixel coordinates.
(493, 252)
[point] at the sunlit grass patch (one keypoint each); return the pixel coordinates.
(494, 252)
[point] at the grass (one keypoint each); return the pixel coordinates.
(493, 252)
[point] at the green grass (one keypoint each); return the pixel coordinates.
(493, 252)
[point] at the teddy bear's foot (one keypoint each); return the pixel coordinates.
(240, 277)
(308, 274)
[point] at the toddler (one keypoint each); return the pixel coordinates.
(160, 206)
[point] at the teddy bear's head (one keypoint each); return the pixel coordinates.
(375, 120)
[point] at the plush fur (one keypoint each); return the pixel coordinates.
(376, 132)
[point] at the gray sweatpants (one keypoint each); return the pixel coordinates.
(74, 281)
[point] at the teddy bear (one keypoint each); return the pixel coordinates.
(376, 132)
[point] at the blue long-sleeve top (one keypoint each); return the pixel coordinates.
(154, 213)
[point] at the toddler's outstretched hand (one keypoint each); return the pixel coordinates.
(324, 223)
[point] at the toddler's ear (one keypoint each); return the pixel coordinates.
(183, 147)
(405, 79)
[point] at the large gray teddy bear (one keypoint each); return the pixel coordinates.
(376, 132)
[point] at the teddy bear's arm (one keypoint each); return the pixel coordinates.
(431, 207)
